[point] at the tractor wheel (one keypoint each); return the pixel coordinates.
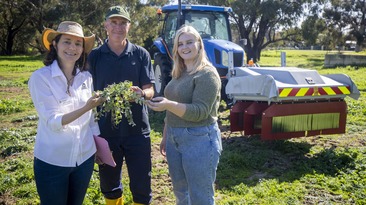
(162, 70)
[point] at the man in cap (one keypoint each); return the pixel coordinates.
(115, 61)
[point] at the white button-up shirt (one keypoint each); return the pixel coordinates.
(71, 144)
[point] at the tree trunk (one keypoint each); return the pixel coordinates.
(250, 55)
(9, 42)
(11, 33)
(358, 48)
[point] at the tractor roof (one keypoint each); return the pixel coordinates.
(169, 8)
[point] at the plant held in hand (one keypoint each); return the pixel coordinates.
(119, 98)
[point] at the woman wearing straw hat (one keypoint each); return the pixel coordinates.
(62, 95)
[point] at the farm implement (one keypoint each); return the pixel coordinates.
(288, 102)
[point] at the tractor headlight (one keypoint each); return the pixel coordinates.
(225, 58)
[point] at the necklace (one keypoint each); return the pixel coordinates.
(69, 82)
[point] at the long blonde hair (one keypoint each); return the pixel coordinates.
(201, 60)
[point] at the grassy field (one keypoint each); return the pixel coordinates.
(327, 169)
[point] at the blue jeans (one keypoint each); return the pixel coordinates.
(193, 155)
(62, 185)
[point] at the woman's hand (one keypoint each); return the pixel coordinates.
(158, 104)
(92, 102)
(163, 142)
(161, 104)
(163, 146)
(95, 101)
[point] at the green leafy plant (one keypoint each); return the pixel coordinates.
(119, 98)
(10, 106)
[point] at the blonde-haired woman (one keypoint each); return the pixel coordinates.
(191, 137)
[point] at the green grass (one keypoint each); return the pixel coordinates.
(299, 58)
(15, 70)
(328, 169)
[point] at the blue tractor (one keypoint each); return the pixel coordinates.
(212, 22)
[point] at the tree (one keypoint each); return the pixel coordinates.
(22, 21)
(311, 28)
(348, 15)
(45, 13)
(331, 38)
(13, 19)
(145, 25)
(158, 3)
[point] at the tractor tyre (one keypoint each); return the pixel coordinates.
(162, 72)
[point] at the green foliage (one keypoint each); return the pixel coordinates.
(10, 106)
(21, 34)
(18, 171)
(18, 68)
(118, 102)
(342, 14)
(311, 28)
(15, 141)
(157, 120)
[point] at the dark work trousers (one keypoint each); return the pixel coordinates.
(136, 151)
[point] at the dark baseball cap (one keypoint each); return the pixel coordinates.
(117, 11)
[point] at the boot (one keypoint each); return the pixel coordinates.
(118, 201)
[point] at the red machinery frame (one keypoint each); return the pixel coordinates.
(245, 116)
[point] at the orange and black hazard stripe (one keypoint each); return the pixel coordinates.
(314, 91)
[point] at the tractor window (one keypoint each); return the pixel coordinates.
(221, 26)
(170, 28)
(211, 25)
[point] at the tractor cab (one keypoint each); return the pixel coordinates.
(212, 22)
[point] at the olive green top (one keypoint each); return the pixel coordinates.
(201, 94)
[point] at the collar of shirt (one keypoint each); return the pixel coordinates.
(129, 48)
(56, 70)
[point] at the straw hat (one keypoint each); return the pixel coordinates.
(70, 28)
